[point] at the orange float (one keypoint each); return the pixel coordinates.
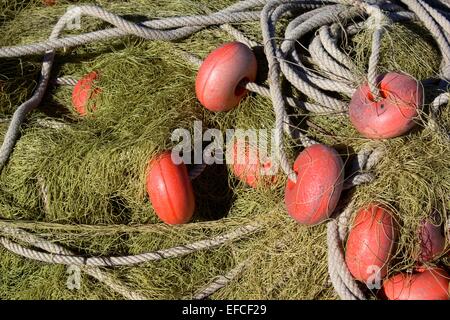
(248, 167)
(371, 242)
(84, 91)
(320, 176)
(393, 114)
(432, 241)
(169, 189)
(49, 2)
(220, 79)
(423, 284)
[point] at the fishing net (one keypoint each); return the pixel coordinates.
(72, 189)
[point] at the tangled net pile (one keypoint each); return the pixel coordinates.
(325, 90)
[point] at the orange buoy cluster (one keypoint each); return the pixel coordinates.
(84, 91)
(371, 241)
(369, 251)
(221, 78)
(248, 167)
(390, 115)
(315, 194)
(320, 174)
(312, 198)
(169, 189)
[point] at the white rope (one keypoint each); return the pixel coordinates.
(219, 282)
(377, 22)
(178, 251)
(95, 272)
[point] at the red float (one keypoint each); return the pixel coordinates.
(220, 79)
(432, 241)
(320, 176)
(49, 2)
(393, 114)
(371, 242)
(84, 91)
(248, 166)
(170, 190)
(423, 284)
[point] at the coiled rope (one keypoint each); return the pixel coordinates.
(337, 74)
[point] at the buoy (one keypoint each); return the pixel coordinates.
(423, 284)
(221, 78)
(248, 167)
(170, 190)
(432, 240)
(49, 2)
(84, 91)
(371, 243)
(393, 114)
(320, 176)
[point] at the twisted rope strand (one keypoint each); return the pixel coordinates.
(69, 259)
(379, 21)
(220, 282)
(95, 272)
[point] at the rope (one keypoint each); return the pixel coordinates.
(419, 8)
(95, 272)
(220, 282)
(66, 81)
(179, 251)
(344, 284)
(379, 21)
(335, 73)
(433, 124)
